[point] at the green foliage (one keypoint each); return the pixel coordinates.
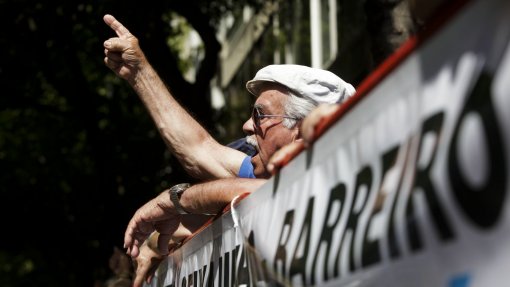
(216, 9)
(178, 42)
(78, 152)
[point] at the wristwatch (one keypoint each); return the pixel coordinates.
(175, 196)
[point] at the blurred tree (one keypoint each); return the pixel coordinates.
(78, 152)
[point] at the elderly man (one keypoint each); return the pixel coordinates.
(285, 95)
(301, 89)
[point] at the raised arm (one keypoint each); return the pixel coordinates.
(160, 214)
(201, 155)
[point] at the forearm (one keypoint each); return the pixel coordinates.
(193, 146)
(211, 197)
(200, 154)
(160, 214)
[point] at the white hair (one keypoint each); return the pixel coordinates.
(298, 108)
(252, 141)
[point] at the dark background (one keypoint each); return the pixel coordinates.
(78, 151)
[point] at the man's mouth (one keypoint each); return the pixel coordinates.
(253, 142)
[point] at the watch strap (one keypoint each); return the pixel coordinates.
(175, 196)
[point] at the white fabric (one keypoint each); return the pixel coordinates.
(320, 85)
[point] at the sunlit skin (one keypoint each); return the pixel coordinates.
(271, 134)
(282, 156)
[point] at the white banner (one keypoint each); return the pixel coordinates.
(409, 188)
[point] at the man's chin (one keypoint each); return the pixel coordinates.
(259, 169)
(255, 160)
(257, 164)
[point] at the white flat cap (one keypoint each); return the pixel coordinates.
(317, 84)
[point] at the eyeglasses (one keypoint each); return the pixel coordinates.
(256, 115)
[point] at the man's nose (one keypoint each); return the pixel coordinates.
(248, 126)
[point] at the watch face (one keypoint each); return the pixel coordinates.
(179, 188)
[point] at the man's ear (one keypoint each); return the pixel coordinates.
(296, 136)
(297, 132)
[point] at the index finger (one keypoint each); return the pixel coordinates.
(116, 25)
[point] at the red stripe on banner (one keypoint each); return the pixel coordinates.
(210, 221)
(447, 11)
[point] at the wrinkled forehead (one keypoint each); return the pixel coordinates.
(261, 86)
(272, 97)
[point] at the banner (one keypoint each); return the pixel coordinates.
(408, 188)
